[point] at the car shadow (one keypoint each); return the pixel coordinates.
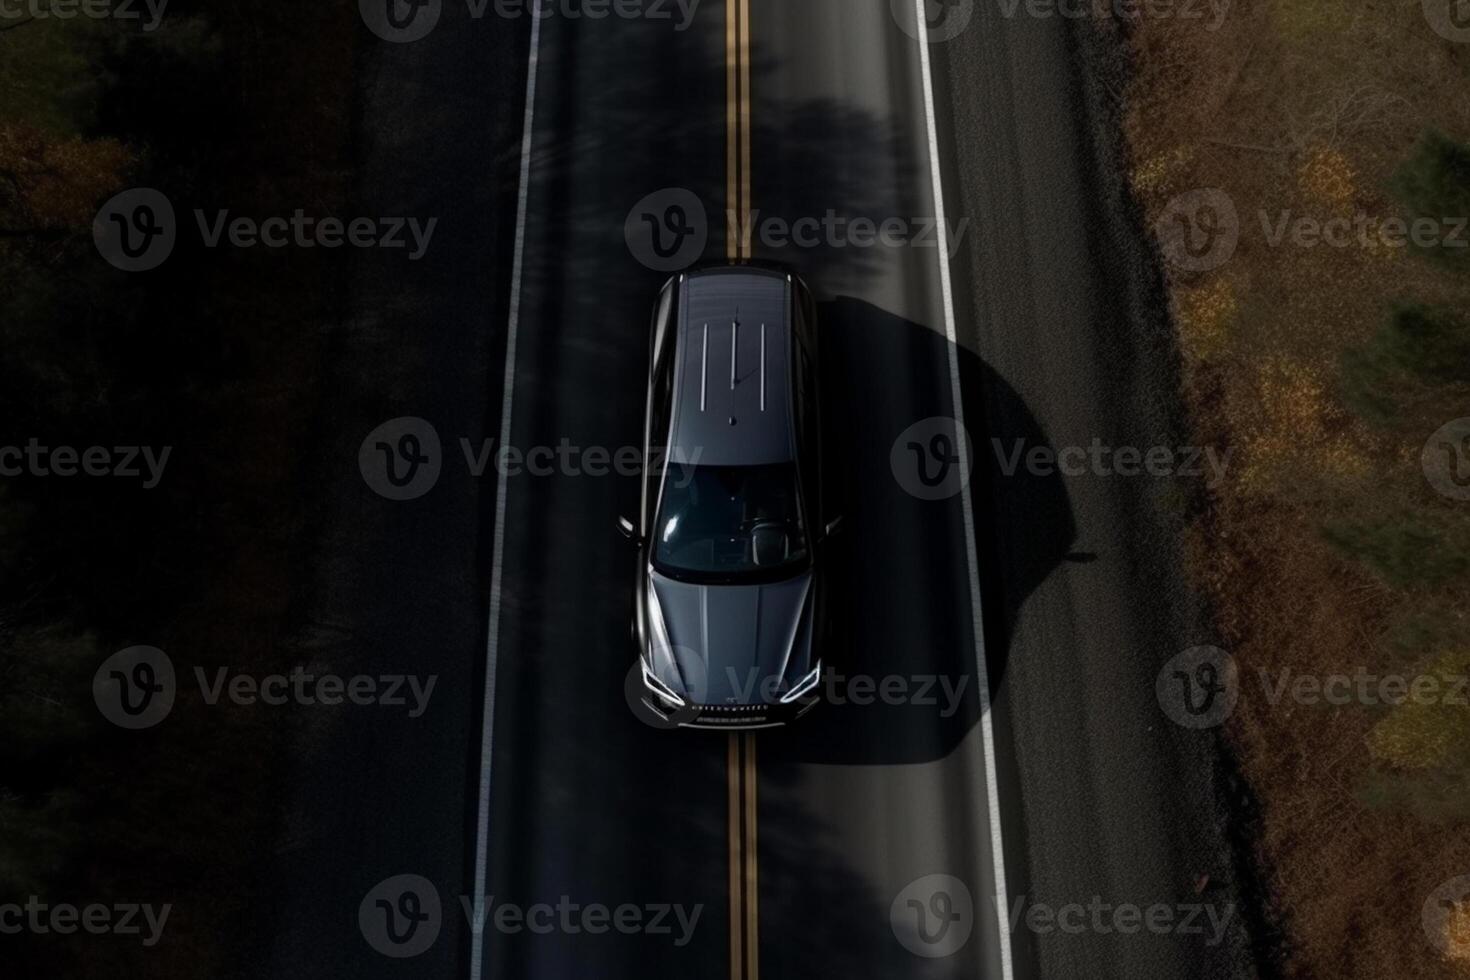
(901, 655)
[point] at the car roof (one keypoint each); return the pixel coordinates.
(732, 388)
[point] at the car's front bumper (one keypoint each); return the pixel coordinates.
(718, 717)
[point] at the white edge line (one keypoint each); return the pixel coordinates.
(987, 735)
(487, 734)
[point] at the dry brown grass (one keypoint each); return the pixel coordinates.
(1309, 106)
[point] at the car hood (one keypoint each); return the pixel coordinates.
(734, 644)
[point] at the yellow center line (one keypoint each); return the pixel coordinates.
(740, 747)
(744, 873)
(732, 141)
(737, 130)
(752, 889)
(745, 204)
(732, 130)
(737, 937)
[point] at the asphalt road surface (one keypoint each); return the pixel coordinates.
(965, 780)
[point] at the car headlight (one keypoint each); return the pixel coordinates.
(659, 688)
(803, 686)
(661, 644)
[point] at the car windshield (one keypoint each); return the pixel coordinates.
(726, 523)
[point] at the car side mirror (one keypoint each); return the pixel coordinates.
(833, 526)
(626, 528)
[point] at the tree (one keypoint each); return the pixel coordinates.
(1434, 183)
(49, 184)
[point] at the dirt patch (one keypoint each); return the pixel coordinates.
(1304, 168)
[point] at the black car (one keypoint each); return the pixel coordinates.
(732, 524)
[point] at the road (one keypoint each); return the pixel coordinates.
(1053, 780)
